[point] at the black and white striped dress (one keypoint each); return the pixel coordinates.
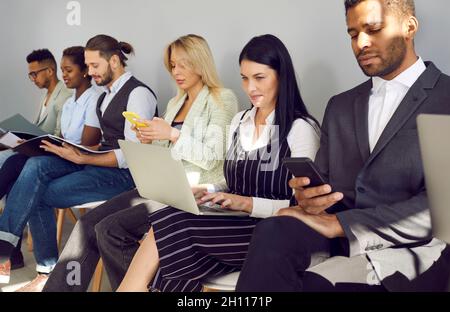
(192, 248)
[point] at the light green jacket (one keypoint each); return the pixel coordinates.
(51, 121)
(202, 142)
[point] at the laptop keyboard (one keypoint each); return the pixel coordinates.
(213, 208)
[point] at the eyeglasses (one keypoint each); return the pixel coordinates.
(33, 75)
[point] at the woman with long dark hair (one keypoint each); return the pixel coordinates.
(182, 249)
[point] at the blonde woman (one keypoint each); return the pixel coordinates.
(191, 123)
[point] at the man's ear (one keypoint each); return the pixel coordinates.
(114, 62)
(51, 71)
(411, 27)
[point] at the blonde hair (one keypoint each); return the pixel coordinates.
(200, 60)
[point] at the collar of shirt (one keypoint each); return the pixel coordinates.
(118, 83)
(83, 99)
(247, 128)
(406, 79)
(250, 117)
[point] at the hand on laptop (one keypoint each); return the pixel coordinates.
(229, 201)
(199, 191)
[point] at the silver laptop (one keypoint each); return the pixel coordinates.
(160, 177)
(434, 131)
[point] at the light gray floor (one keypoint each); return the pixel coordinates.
(24, 275)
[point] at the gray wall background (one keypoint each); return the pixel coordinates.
(313, 30)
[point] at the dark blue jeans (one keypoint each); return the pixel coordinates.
(10, 171)
(50, 182)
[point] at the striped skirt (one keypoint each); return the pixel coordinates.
(192, 248)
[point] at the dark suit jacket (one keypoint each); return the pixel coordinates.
(384, 212)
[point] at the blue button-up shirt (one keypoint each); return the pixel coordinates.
(79, 113)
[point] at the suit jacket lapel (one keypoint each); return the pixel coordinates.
(52, 98)
(361, 111)
(194, 111)
(37, 120)
(170, 114)
(413, 99)
(197, 107)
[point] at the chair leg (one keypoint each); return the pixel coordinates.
(59, 225)
(72, 215)
(98, 274)
(207, 289)
(29, 241)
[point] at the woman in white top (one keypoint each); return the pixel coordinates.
(182, 249)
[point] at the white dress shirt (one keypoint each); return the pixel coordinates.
(303, 140)
(386, 96)
(79, 113)
(141, 101)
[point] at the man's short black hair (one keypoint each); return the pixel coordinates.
(41, 55)
(402, 7)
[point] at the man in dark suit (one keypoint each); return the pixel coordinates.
(369, 228)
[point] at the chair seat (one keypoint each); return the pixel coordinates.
(226, 282)
(90, 205)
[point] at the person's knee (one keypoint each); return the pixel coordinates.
(105, 229)
(33, 166)
(280, 234)
(84, 230)
(275, 229)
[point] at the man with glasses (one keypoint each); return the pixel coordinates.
(42, 71)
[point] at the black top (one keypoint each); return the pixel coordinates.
(177, 124)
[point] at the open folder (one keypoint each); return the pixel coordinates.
(17, 128)
(31, 147)
(21, 127)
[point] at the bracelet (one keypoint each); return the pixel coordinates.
(174, 134)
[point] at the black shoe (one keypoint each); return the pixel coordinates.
(17, 261)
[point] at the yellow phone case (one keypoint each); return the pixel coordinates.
(130, 116)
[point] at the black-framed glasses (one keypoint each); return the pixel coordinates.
(33, 75)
